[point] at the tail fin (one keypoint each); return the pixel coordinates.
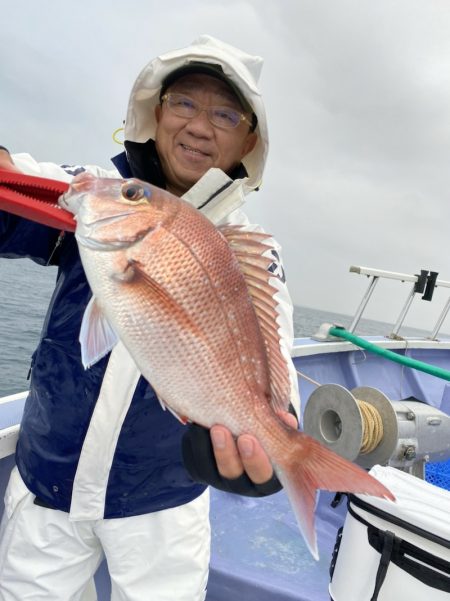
(309, 466)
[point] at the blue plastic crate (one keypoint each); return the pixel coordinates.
(438, 474)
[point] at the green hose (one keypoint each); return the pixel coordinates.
(373, 348)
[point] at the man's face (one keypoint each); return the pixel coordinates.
(187, 148)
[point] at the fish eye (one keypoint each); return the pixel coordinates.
(134, 192)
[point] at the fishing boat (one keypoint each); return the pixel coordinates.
(347, 383)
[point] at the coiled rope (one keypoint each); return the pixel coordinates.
(372, 426)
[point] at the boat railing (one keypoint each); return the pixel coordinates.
(10, 414)
(422, 284)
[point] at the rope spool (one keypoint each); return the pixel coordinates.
(360, 425)
(371, 420)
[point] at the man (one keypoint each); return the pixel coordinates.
(102, 470)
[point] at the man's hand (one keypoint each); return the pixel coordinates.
(239, 466)
(244, 455)
(6, 161)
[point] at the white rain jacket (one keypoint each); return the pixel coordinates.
(107, 454)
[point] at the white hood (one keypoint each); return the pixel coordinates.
(242, 69)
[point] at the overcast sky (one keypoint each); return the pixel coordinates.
(358, 100)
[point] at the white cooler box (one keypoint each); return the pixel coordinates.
(398, 551)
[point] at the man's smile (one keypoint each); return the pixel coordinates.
(194, 151)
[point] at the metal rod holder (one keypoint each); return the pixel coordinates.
(440, 321)
(417, 280)
(403, 313)
(373, 282)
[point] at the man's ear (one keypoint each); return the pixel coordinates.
(249, 143)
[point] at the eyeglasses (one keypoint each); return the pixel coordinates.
(220, 116)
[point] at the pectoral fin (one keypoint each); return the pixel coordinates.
(97, 337)
(162, 296)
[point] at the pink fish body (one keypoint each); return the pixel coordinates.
(194, 307)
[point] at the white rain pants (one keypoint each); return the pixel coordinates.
(161, 556)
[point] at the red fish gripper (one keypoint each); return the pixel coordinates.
(35, 198)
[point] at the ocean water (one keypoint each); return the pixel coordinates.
(26, 289)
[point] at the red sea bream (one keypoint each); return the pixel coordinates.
(194, 307)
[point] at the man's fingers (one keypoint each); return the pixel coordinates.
(226, 453)
(233, 457)
(254, 459)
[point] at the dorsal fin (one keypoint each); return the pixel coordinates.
(260, 297)
(240, 233)
(249, 248)
(254, 259)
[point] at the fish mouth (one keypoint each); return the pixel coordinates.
(86, 184)
(107, 220)
(86, 234)
(74, 203)
(63, 203)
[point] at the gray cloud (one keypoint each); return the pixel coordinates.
(357, 94)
